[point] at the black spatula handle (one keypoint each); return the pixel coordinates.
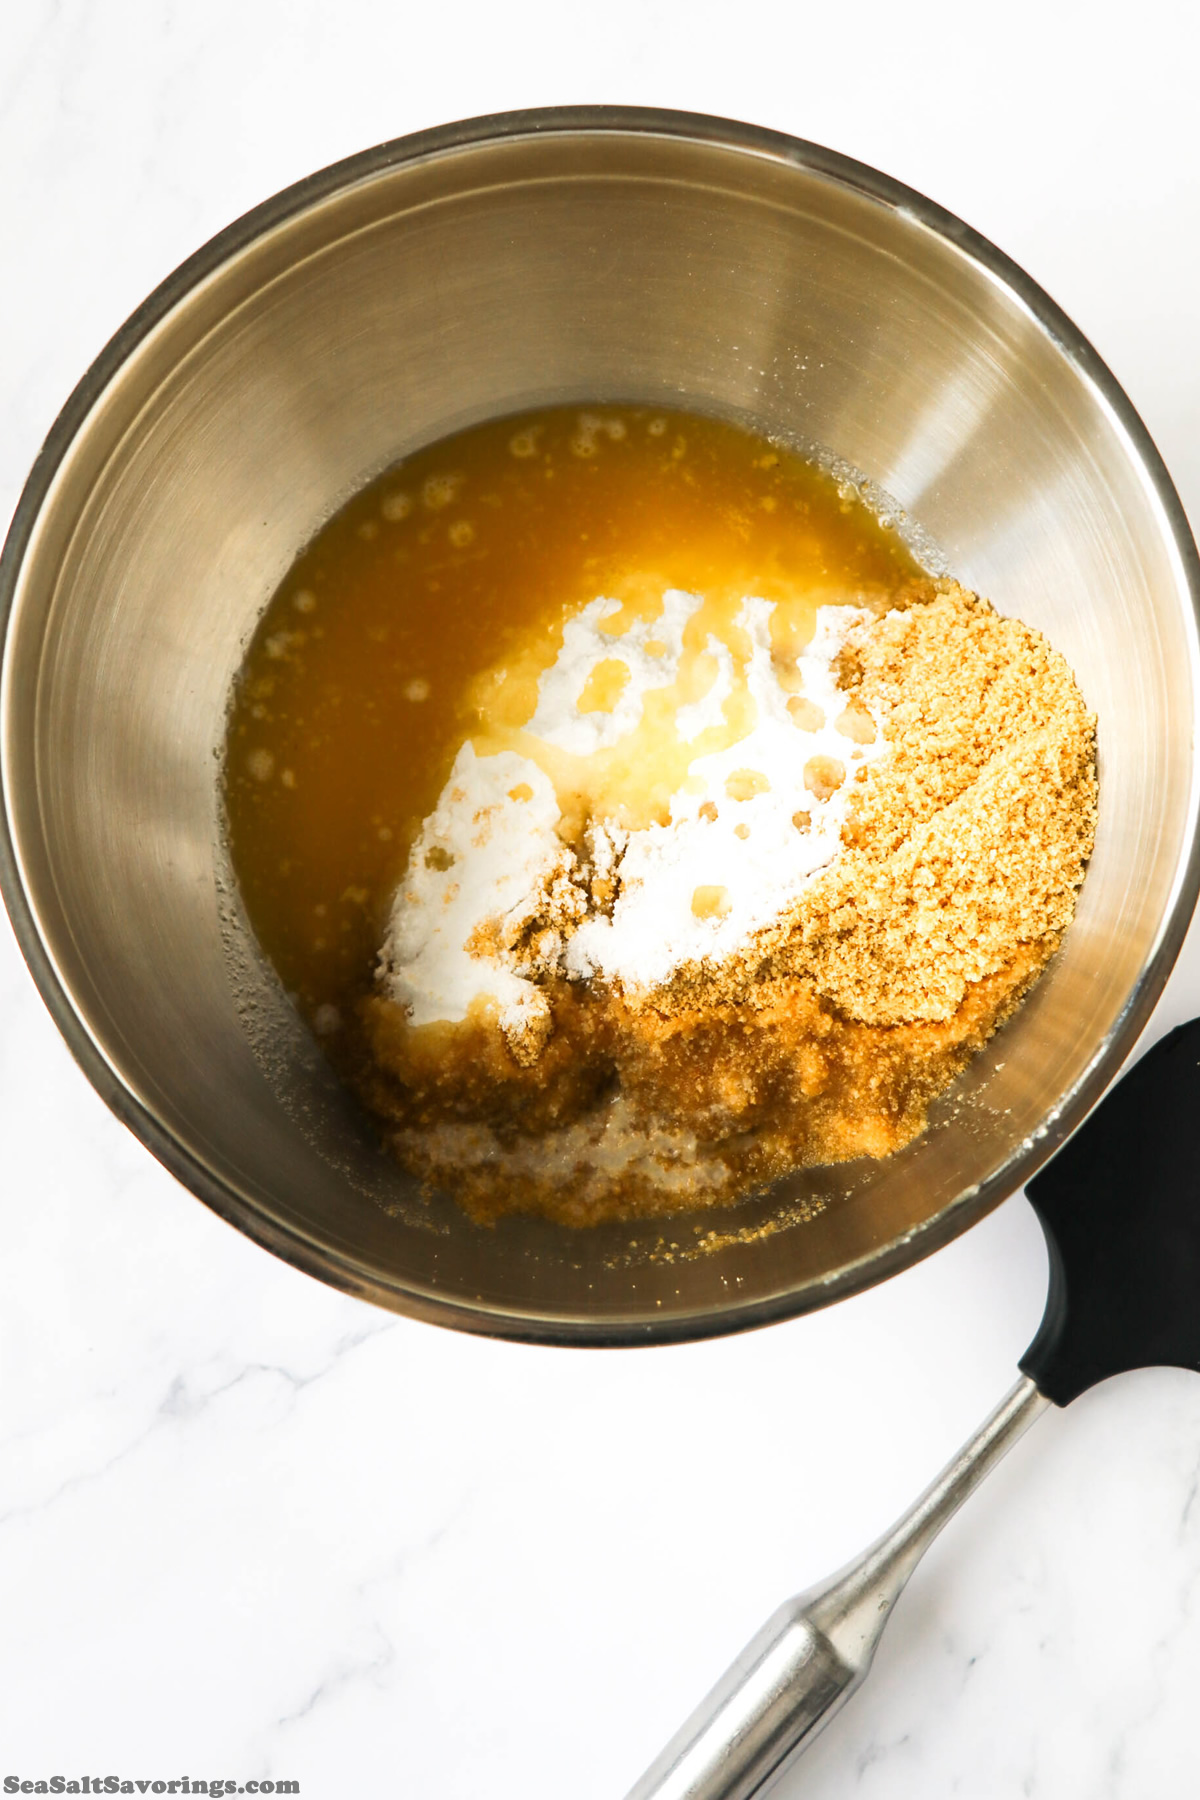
(1120, 1207)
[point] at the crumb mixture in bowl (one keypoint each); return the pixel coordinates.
(730, 838)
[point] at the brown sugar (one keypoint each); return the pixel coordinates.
(828, 1033)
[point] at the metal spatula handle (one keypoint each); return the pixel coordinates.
(812, 1654)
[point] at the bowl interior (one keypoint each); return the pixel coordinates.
(413, 292)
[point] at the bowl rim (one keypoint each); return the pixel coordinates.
(321, 1260)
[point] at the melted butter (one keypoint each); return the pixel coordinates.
(428, 609)
(710, 902)
(604, 686)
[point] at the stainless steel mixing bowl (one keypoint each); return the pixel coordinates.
(577, 254)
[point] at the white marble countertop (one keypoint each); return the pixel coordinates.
(250, 1529)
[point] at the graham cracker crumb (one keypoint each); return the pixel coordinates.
(967, 843)
(829, 1033)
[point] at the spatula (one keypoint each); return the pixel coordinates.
(1120, 1207)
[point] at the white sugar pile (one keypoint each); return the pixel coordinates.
(751, 823)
